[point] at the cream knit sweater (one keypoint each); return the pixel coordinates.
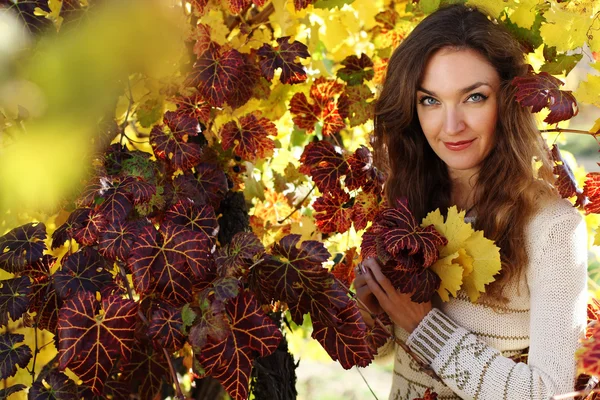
(470, 346)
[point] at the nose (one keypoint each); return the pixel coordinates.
(454, 122)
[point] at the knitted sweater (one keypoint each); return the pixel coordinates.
(470, 346)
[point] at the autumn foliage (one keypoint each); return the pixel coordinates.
(211, 220)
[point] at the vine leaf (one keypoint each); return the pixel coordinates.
(223, 76)
(139, 191)
(428, 395)
(5, 393)
(332, 212)
(200, 218)
(56, 385)
(566, 183)
(365, 209)
(356, 70)
(12, 356)
(211, 181)
(117, 239)
(166, 328)
(344, 270)
(92, 335)
(283, 56)
(116, 205)
(542, 90)
(356, 104)
(345, 342)
(250, 140)
(591, 190)
(363, 173)
(296, 276)
(253, 335)
(323, 108)
(43, 298)
(239, 255)
(236, 6)
(14, 298)
(146, 370)
(326, 164)
(193, 106)
(22, 246)
(172, 144)
(90, 224)
(84, 270)
(212, 322)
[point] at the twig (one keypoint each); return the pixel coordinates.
(124, 124)
(37, 350)
(561, 130)
(179, 394)
(297, 207)
(367, 383)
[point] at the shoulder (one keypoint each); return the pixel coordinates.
(553, 212)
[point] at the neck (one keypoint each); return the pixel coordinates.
(463, 189)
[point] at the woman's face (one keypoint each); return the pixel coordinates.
(457, 108)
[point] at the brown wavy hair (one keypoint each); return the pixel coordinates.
(508, 187)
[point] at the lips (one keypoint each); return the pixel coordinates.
(458, 146)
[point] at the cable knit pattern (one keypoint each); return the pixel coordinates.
(469, 345)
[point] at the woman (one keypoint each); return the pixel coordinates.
(449, 131)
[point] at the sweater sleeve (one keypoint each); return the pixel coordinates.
(557, 280)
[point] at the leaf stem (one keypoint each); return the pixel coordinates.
(179, 394)
(367, 383)
(297, 207)
(35, 325)
(561, 130)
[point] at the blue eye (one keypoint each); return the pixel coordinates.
(427, 101)
(476, 98)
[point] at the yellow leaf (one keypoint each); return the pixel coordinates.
(218, 29)
(536, 59)
(455, 229)
(589, 91)
(486, 264)
(525, 13)
(564, 28)
(451, 275)
(493, 7)
(465, 261)
(597, 238)
(596, 127)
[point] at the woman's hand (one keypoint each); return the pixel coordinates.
(364, 294)
(379, 292)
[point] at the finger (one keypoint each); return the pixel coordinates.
(375, 288)
(383, 281)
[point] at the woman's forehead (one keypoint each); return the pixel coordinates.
(457, 69)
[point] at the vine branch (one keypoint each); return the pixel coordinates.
(297, 207)
(561, 130)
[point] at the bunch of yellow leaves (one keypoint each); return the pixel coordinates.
(469, 261)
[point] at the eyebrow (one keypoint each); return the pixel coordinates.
(462, 91)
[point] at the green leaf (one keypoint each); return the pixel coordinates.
(562, 64)
(330, 4)
(188, 315)
(429, 6)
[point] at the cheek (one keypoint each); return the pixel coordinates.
(430, 124)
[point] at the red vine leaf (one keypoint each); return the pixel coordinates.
(14, 298)
(172, 145)
(200, 218)
(6, 393)
(376, 337)
(116, 205)
(250, 140)
(43, 298)
(253, 335)
(302, 4)
(91, 336)
(565, 183)
(117, 238)
(211, 181)
(138, 190)
(324, 107)
(198, 5)
(12, 355)
(223, 76)
(237, 256)
(365, 209)
(356, 70)
(56, 385)
(344, 270)
(326, 165)
(542, 90)
(236, 6)
(84, 270)
(166, 328)
(591, 190)
(283, 56)
(363, 173)
(145, 371)
(296, 276)
(88, 196)
(89, 225)
(212, 322)
(193, 106)
(22, 246)
(345, 342)
(333, 213)
(428, 395)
